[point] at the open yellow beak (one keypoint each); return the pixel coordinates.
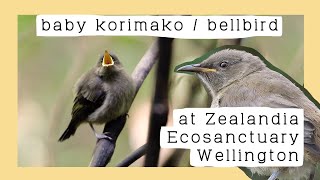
(107, 59)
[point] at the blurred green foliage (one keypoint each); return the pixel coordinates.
(48, 67)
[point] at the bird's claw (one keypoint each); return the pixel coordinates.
(274, 175)
(105, 135)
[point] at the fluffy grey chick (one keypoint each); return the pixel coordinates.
(102, 94)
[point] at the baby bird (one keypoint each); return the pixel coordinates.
(102, 94)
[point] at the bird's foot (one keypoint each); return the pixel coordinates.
(105, 135)
(274, 175)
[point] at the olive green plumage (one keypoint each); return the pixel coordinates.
(102, 94)
(236, 78)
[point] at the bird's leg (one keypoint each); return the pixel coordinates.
(100, 136)
(274, 175)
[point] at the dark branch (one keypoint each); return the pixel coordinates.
(160, 107)
(133, 157)
(146, 63)
(104, 148)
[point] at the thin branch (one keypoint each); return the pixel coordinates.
(146, 63)
(133, 157)
(160, 107)
(104, 148)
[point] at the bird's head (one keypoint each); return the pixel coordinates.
(224, 67)
(108, 63)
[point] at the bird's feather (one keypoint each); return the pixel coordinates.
(284, 95)
(89, 97)
(309, 128)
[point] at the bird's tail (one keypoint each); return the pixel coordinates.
(71, 129)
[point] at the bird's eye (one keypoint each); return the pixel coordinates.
(113, 58)
(224, 64)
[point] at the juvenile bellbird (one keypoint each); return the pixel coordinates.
(236, 78)
(104, 93)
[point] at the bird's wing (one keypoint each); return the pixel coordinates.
(88, 98)
(278, 101)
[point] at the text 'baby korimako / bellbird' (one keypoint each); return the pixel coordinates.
(236, 78)
(102, 94)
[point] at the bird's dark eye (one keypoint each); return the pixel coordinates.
(224, 64)
(114, 58)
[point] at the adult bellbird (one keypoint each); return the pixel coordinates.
(104, 93)
(236, 78)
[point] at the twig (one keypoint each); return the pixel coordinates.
(104, 148)
(160, 107)
(146, 63)
(133, 157)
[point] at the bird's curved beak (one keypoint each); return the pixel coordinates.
(107, 60)
(195, 68)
